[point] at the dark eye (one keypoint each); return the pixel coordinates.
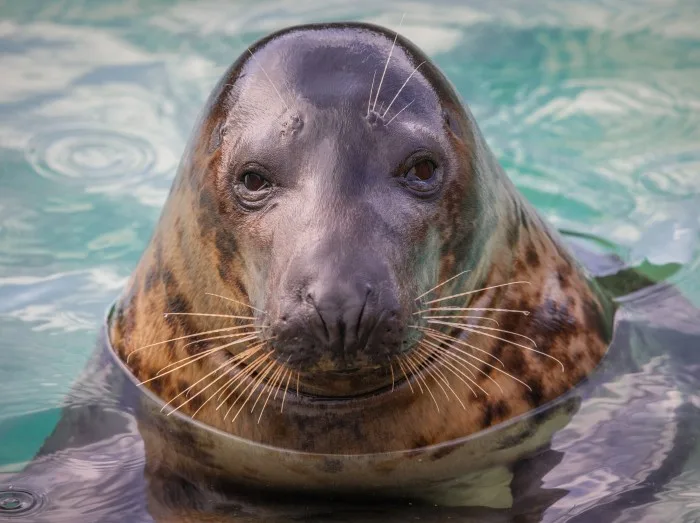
(421, 175)
(254, 182)
(424, 170)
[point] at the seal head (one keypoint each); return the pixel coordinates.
(340, 236)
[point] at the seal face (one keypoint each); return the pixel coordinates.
(344, 266)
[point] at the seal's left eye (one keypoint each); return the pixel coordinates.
(254, 182)
(422, 171)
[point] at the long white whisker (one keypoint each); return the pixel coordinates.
(254, 384)
(425, 352)
(430, 371)
(524, 313)
(475, 291)
(387, 65)
(470, 329)
(276, 376)
(420, 377)
(237, 335)
(369, 102)
(462, 317)
(245, 372)
(437, 333)
(456, 357)
(441, 284)
(505, 331)
(208, 315)
(196, 357)
(268, 79)
(481, 361)
(401, 89)
(248, 326)
(402, 110)
(235, 301)
(231, 362)
(403, 371)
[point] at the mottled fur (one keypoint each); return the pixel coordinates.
(194, 252)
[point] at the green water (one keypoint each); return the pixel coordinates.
(593, 108)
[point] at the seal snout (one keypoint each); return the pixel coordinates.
(343, 320)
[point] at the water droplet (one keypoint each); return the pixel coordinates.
(16, 502)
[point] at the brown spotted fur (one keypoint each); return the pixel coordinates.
(191, 254)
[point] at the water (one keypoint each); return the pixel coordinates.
(593, 108)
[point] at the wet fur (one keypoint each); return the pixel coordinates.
(192, 253)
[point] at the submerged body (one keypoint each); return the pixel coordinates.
(343, 266)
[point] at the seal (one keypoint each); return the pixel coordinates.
(342, 266)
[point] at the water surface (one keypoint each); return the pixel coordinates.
(593, 108)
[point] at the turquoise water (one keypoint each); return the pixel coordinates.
(593, 108)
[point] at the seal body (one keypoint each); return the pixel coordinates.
(342, 267)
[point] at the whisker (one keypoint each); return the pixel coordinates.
(458, 373)
(286, 387)
(448, 345)
(266, 384)
(438, 356)
(462, 362)
(235, 301)
(398, 360)
(231, 362)
(401, 89)
(462, 317)
(469, 329)
(212, 396)
(420, 377)
(441, 284)
(239, 376)
(200, 355)
(273, 380)
(223, 386)
(255, 384)
(237, 335)
(298, 375)
(475, 291)
(524, 313)
(429, 369)
(208, 315)
(387, 65)
(248, 326)
(402, 110)
(481, 361)
(413, 373)
(437, 333)
(251, 386)
(268, 79)
(393, 380)
(504, 331)
(369, 102)
(196, 357)
(290, 370)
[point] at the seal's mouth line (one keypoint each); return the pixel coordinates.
(406, 371)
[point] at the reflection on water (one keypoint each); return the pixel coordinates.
(593, 107)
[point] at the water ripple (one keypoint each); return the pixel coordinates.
(675, 176)
(90, 155)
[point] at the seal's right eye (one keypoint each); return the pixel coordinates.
(254, 182)
(252, 188)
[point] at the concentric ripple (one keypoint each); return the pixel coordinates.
(90, 155)
(19, 502)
